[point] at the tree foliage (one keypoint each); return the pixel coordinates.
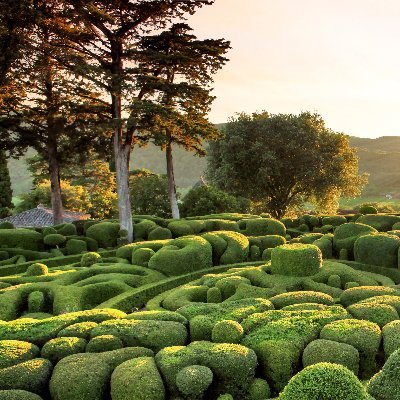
(5, 187)
(284, 160)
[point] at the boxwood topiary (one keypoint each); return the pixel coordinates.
(104, 343)
(287, 299)
(60, 347)
(13, 352)
(66, 229)
(76, 246)
(261, 227)
(21, 238)
(391, 337)
(54, 239)
(366, 209)
(80, 330)
(214, 295)
(381, 222)
(18, 395)
(105, 233)
(88, 259)
(322, 350)
(296, 259)
(194, 380)
(37, 269)
(141, 256)
(227, 331)
(324, 381)
(36, 301)
(381, 314)
(258, 390)
(137, 379)
(160, 233)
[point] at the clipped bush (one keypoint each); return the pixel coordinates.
(325, 245)
(89, 259)
(60, 347)
(76, 246)
(296, 259)
(358, 293)
(366, 209)
(334, 220)
(13, 352)
(21, 238)
(227, 331)
(385, 384)
(54, 239)
(105, 233)
(324, 381)
(258, 390)
(66, 229)
(335, 281)
(261, 227)
(381, 222)
(143, 228)
(137, 379)
(104, 343)
(380, 314)
(287, 299)
(37, 269)
(322, 350)
(141, 256)
(160, 233)
(18, 395)
(80, 330)
(214, 295)
(36, 301)
(391, 337)
(194, 380)
(6, 225)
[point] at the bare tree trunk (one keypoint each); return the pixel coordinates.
(54, 171)
(171, 182)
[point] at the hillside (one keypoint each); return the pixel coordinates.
(379, 157)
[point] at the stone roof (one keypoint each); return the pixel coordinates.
(41, 216)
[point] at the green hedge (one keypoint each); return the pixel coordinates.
(22, 238)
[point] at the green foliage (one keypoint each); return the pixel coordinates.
(22, 238)
(391, 337)
(258, 390)
(36, 301)
(5, 187)
(137, 379)
(206, 199)
(76, 246)
(290, 298)
(322, 350)
(105, 233)
(88, 259)
(380, 314)
(367, 209)
(294, 157)
(54, 239)
(160, 233)
(104, 343)
(79, 329)
(358, 293)
(18, 395)
(296, 260)
(13, 352)
(149, 193)
(261, 227)
(324, 381)
(194, 380)
(227, 331)
(381, 222)
(214, 295)
(56, 349)
(385, 384)
(37, 269)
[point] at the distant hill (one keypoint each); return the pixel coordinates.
(379, 157)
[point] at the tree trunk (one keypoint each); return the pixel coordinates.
(54, 171)
(122, 154)
(171, 183)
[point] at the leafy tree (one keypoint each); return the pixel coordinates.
(149, 193)
(176, 75)
(5, 187)
(106, 34)
(205, 200)
(91, 173)
(54, 111)
(284, 160)
(74, 197)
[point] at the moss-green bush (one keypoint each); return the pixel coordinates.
(334, 220)
(380, 314)
(233, 366)
(66, 229)
(335, 281)
(80, 330)
(365, 336)
(227, 331)
(322, 350)
(160, 233)
(194, 253)
(324, 381)
(214, 295)
(54, 239)
(345, 236)
(104, 343)
(141, 256)
(76, 246)
(267, 242)
(358, 293)
(37, 269)
(88, 259)
(22, 238)
(261, 227)
(88, 374)
(18, 395)
(36, 301)
(366, 209)
(152, 334)
(379, 250)
(287, 299)
(6, 225)
(296, 260)
(381, 222)
(60, 347)
(258, 390)
(105, 233)
(143, 228)
(137, 379)
(158, 316)
(385, 384)
(194, 380)
(31, 375)
(13, 352)
(391, 337)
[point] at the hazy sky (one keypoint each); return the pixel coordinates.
(340, 58)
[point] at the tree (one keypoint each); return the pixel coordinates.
(284, 160)
(54, 111)
(5, 187)
(205, 200)
(176, 75)
(149, 193)
(106, 34)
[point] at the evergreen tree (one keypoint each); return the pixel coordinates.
(5, 187)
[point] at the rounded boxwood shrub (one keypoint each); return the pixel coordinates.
(366, 209)
(322, 350)
(214, 295)
(60, 347)
(391, 337)
(54, 239)
(18, 395)
(296, 259)
(266, 255)
(88, 259)
(66, 229)
(104, 343)
(225, 396)
(335, 281)
(287, 299)
(13, 352)
(194, 380)
(381, 222)
(137, 379)
(385, 384)
(76, 246)
(141, 256)
(258, 390)
(381, 314)
(105, 233)
(349, 285)
(261, 227)
(21, 238)
(324, 381)
(37, 269)
(36, 302)
(359, 293)
(80, 330)
(334, 220)
(377, 250)
(227, 331)
(158, 316)
(160, 233)
(6, 225)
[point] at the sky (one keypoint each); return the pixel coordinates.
(340, 58)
